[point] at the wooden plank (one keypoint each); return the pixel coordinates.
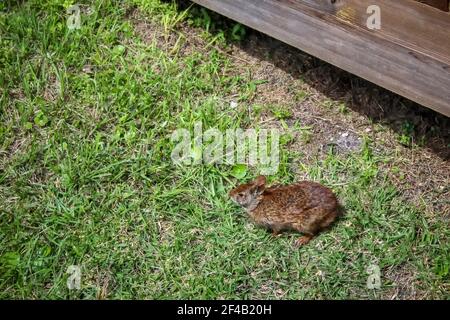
(409, 55)
(440, 4)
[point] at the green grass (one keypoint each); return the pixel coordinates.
(86, 176)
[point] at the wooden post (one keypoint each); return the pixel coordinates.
(409, 54)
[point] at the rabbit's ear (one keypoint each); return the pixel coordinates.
(260, 181)
(260, 184)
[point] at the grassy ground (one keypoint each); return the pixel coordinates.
(86, 176)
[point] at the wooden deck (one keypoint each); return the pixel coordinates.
(409, 55)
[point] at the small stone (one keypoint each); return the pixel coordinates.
(348, 142)
(87, 69)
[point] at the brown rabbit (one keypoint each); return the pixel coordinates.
(307, 207)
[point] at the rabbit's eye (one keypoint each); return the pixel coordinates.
(241, 194)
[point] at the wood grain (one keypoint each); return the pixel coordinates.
(410, 55)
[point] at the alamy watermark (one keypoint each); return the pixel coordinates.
(374, 20)
(234, 146)
(74, 18)
(374, 278)
(74, 279)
